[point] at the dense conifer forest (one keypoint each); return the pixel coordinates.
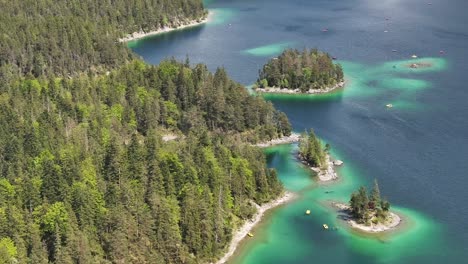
(86, 174)
(303, 70)
(86, 177)
(65, 37)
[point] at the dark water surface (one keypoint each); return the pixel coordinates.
(418, 150)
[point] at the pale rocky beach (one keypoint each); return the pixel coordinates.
(244, 230)
(393, 221)
(327, 174)
(277, 90)
(294, 137)
(142, 34)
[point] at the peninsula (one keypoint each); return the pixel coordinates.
(300, 72)
(126, 161)
(317, 158)
(368, 212)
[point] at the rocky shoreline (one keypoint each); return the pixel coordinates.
(246, 228)
(277, 90)
(142, 34)
(325, 174)
(294, 137)
(393, 221)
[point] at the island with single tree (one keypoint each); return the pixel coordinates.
(317, 158)
(300, 72)
(368, 212)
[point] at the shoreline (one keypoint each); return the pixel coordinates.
(277, 90)
(243, 231)
(392, 223)
(142, 34)
(294, 137)
(324, 175)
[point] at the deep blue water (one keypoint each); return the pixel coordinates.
(418, 154)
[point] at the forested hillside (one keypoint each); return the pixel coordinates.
(86, 177)
(303, 70)
(86, 174)
(65, 37)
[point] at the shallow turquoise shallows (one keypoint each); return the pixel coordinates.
(417, 149)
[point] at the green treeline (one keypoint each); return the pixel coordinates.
(86, 177)
(85, 174)
(65, 37)
(311, 151)
(293, 69)
(369, 208)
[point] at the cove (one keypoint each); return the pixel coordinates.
(416, 150)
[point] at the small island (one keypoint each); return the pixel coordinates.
(317, 158)
(295, 72)
(418, 65)
(369, 212)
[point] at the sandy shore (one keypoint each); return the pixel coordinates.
(391, 223)
(142, 34)
(328, 174)
(278, 141)
(242, 232)
(277, 90)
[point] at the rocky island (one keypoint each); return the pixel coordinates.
(300, 72)
(317, 158)
(368, 212)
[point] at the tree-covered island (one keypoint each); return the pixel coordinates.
(316, 157)
(368, 212)
(294, 71)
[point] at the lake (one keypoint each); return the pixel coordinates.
(417, 150)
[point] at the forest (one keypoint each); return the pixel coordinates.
(66, 37)
(87, 174)
(303, 70)
(86, 177)
(311, 151)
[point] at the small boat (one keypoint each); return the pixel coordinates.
(250, 234)
(324, 30)
(394, 50)
(414, 56)
(308, 212)
(389, 105)
(333, 58)
(385, 31)
(325, 226)
(441, 52)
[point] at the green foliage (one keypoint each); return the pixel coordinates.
(85, 160)
(85, 174)
(8, 251)
(293, 69)
(364, 207)
(66, 37)
(311, 151)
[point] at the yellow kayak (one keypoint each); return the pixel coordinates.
(250, 234)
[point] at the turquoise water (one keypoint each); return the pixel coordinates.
(290, 236)
(416, 149)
